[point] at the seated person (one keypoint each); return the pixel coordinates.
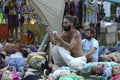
(116, 72)
(101, 70)
(90, 46)
(60, 74)
(69, 52)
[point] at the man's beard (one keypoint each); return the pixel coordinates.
(67, 28)
(89, 37)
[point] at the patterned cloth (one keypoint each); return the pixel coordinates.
(91, 11)
(36, 62)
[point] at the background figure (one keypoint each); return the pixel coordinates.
(118, 13)
(13, 22)
(90, 46)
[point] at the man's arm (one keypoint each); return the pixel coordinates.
(93, 48)
(90, 52)
(51, 36)
(72, 43)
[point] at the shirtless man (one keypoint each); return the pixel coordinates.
(70, 53)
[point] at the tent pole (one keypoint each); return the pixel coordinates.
(43, 42)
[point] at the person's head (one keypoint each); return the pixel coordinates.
(69, 22)
(116, 69)
(24, 53)
(86, 25)
(89, 33)
(97, 69)
(103, 57)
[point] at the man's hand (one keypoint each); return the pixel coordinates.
(57, 37)
(48, 29)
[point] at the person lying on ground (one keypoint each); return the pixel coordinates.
(89, 65)
(101, 70)
(115, 72)
(58, 73)
(114, 56)
(70, 52)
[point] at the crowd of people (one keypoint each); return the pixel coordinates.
(72, 54)
(14, 13)
(83, 55)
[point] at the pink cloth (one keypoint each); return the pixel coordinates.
(115, 77)
(16, 76)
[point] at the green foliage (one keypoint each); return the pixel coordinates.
(113, 11)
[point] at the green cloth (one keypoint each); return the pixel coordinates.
(3, 21)
(113, 1)
(71, 77)
(1, 17)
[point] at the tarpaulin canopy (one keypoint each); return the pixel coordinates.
(113, 1)
(50, 11)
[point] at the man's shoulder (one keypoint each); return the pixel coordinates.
(77, 34)
(94, 40)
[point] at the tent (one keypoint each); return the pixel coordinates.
(50, 11)
(113, 1)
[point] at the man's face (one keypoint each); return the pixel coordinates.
(67, 25)
(88, 34)
(116, 69)
(99, 68)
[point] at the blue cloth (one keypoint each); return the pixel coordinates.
(107, 72)
(102, 50)
(16, 62)
(68, 68)
(118, 44)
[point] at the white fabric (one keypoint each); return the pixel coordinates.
(117, 12)
(16, 55)
(88, 44)
(57, 73)
(62, 56)
(107, 7)
(1, 46)
(50, 11)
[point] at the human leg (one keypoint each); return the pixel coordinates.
(59, 56)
